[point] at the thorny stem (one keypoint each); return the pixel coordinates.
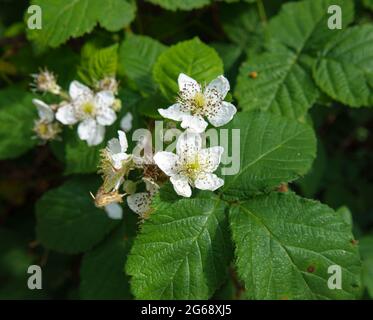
(262, 12)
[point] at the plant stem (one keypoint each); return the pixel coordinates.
(262, 12)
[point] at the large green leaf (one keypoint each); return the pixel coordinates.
(68, 221)
(285, 245)
(303, 26)
(182, 251)
(180, 4)
(191, 57)
(102, 275)
(345, 68)
(283, 84)
(17, 115)
(98, 63)
(283, 81)
(273, 150)
(137, 56)
(64, 19)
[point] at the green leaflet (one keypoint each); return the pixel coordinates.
(345, 68)
(284, 84)
(64, 19)
(182, 251)
(137, 55)
(180, 4)
(192, 57)
(303, 26)
(273, 150)
(17, 115)
(68, 221)
(97, 63)
(285, 245)
(102, 275)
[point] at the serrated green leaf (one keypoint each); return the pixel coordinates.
(303, 26)
(67, 219)
(346, 215)
(180, 4)
(345, 68)
(137, 55)
(285, 245)
(191, 57)
(115, 14)
(282, 84)
(64, 19)
(102, 274)
(98, 63)
(273, 150)
(182, 251)
(17, 115)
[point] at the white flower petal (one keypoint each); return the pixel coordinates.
(90, 131)
(194, 123)
(188, 87)
(99, 136)
(122, 141)
(139, 202)
(44, 111)
(118, 159)
(223, 115)
(181, 185)
(188, 144)
(113, 146)
(173, 112)
(106, 116)
(167, 162)
(208, 181)
(104, 99)
(77, 90)
(151, 186)
(66, 114)
(210, 158)
(114, 211)
(126, 122)
(219, 85)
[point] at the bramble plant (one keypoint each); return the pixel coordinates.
(172, 149)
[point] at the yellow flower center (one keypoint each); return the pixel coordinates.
(88, 108)
(42, 129)
(192, 168)
(199, 100)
